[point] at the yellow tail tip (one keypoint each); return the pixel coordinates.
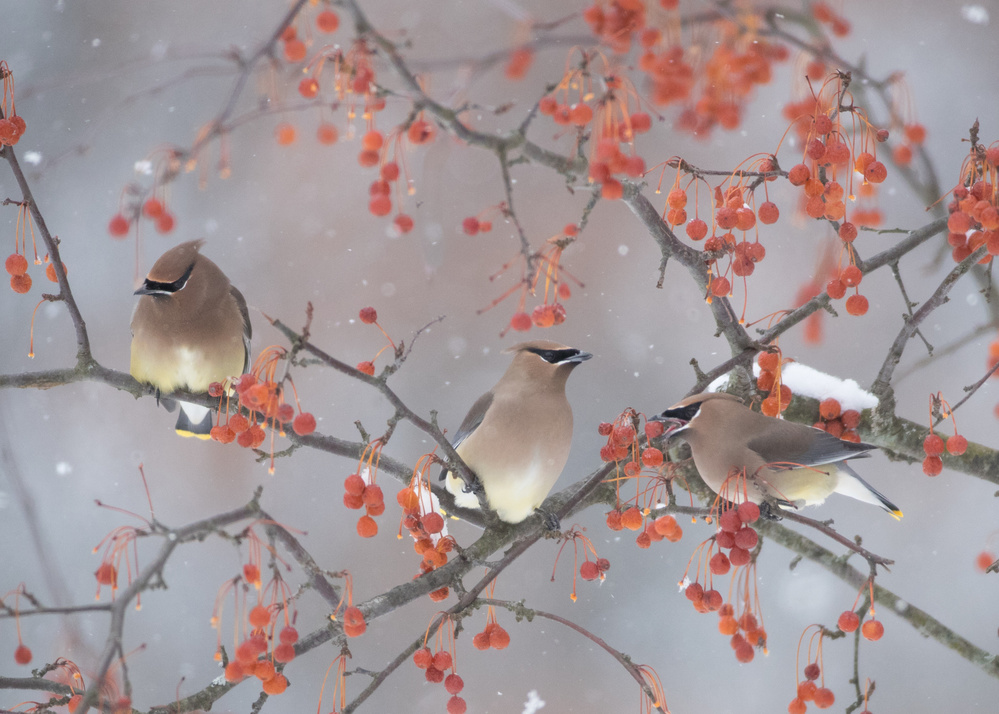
(186, 434)
(896, 514)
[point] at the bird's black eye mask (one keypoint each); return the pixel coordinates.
(679, 417)
(565, 356)
(153, 287)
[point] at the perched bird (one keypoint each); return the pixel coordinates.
(516, 437)
(190, 328)
(793, 463)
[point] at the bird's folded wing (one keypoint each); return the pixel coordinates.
(792, 448)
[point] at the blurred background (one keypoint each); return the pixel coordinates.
(104, 84)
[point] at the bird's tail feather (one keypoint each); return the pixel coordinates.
(851, 484)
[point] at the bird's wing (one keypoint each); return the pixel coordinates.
(471, 422)
(474, 417)
(247, 327)
(782, 449)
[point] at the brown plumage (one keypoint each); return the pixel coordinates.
(190, 328)
(516, 436)
(793, 463)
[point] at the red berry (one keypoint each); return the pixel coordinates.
(327, 21)
(304, 424)
(748, 512)
(933, 444)
(453, 683)
(521, 322)
(470, 225)
(22, 655)
(848, 621)
(423, 658)
(288, 635)
(589, 570)
(119, 226)
(957, 445)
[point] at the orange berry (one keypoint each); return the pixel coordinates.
(367, 368)
(744, 652)
(589, 570)
(727, 625)
(798, 174)
(875, 172)
(275, 685)
(327, 134)
(520, 322)
(824, 698)
(294, 51)
(354, 618)
(288, 635)
(872, 630)
(421, 132)
(308, 87)
(260, 616)
(354, 485)
(372, 494)
(632, 519)
(234, 671)
(263, 670)
(720, 286)
(851, 276)
(829, 409)
(797, 706)
(432, 523)
(581, 114)
(50, 272)
(327, 21)
(836, 288)
(697, 229)
(284, 134)
(367, 527)
(611, 189)
(284, 653)
(480, 641)
(16, 264)
(768, 213)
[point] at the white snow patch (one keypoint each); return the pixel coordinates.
(533, 703)
(975, 14)
(144, 168)
(810, 382)
(63, 468)
(622, 250)
(33, 157)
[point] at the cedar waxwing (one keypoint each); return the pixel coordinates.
(190, 328)
(793, 463)
(516, 437)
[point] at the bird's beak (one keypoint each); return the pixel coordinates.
(670, 423)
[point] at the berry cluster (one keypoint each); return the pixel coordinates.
(849, 620)
(436, 662)
(837, 421)
(12, 126)
(153, 209)
(547, 264)
(812, 688)
(361, 491)
(934, 444)
(974, 210)
(17, 262)
(589, 569)
(425, 524)
(769, 381)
